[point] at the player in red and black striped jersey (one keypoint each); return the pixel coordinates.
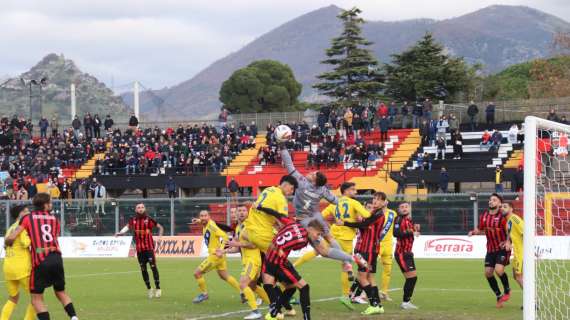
(292, 236)
(142, 225)
(404, 231)
(493, 224)
(47, 264)
(368, 246)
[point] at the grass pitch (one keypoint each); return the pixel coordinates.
(113, 289)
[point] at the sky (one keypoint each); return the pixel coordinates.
(161, 43)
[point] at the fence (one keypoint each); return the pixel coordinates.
(441, 214)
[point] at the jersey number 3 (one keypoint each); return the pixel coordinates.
(287, 236)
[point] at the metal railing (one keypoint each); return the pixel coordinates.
(438, 213)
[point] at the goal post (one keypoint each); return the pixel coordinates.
(546, 241)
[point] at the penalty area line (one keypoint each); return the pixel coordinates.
(233, 313)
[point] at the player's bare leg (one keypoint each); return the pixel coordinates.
(500, 271)
(224, 275)
(409, 286)
(519, 278)
(65, 301)
(203, 296)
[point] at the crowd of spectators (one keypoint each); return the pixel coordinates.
(182, 150)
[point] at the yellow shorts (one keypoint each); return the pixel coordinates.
(517, 264)
(261, 241)
(14, 286)
(386, 253)
(345, 245)
(251, 268)
(212, 262)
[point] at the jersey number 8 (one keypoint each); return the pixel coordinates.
(46, 233)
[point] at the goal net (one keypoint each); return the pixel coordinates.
(546, 265)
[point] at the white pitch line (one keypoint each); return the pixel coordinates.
(87, 275)
(231, 313)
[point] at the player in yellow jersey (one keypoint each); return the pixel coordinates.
(347, 210)
(17, 267)
(251, 263)
(215, 240)
(515, 228)
(387, 249)
(259, 225)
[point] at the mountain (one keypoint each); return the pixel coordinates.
(496, 36)
(91, 94)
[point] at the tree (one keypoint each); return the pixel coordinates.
(262, 86)
(425, 71)
(353, 76)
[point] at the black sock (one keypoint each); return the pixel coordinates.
(369, 294)
(505, 281)
(43, 315)
(376, 295)
(278, 301)
(155, 276)
(354, 289)
(409, 288)
(273, 294)
(70, 310)
(305, 302)
(287, 294)
(494, 286)
(145, 276)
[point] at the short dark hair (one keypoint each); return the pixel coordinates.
(321, 179)
(289, 179)
(16, 210)
(40, 200)
(380, 195)
(497, 196)
(346, 185)
(510, 204)
(317, 225)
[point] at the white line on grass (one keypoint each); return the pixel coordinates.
(232, 313)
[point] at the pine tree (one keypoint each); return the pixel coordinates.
(426, 71)
(353, 76)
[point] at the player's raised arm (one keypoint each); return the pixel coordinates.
(288, 162)
(280, 217)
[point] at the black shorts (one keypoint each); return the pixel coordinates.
(497, 257)
(372, 260)
(145, 257)
(406, 261)
(283, 273)
(48, 273)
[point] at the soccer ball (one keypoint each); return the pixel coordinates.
(282, 133)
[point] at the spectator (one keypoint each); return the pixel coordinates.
(427, 161)
(472, 112)
(99, 195)
(392, 112)
(253, 129)
(443, 180)
(357, 125)
(76, 125)
(134, 121)
(498, 179)
(382, 110)
(440, 148)
(366, 120)
(22, 194)
(453, 123)
(513, 134)
(552, 116)
(457, 142)
(401, 180)
(54, 125)
(384, 126)
(32, 189)
(496, 139)
(348, 116)
(563, 120)
(97, 126)
(405, 112)
(490, 113)
(222, 118)
(428, 108)
(417, 113)
(170, 187)
(517, 184)
(52, 190)
(43, 124)
(485, 140)
(424, 132)
(88, 125)
(108, 124)
(432, 124)
(442, 126)
(322, 118)
(233, 188)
